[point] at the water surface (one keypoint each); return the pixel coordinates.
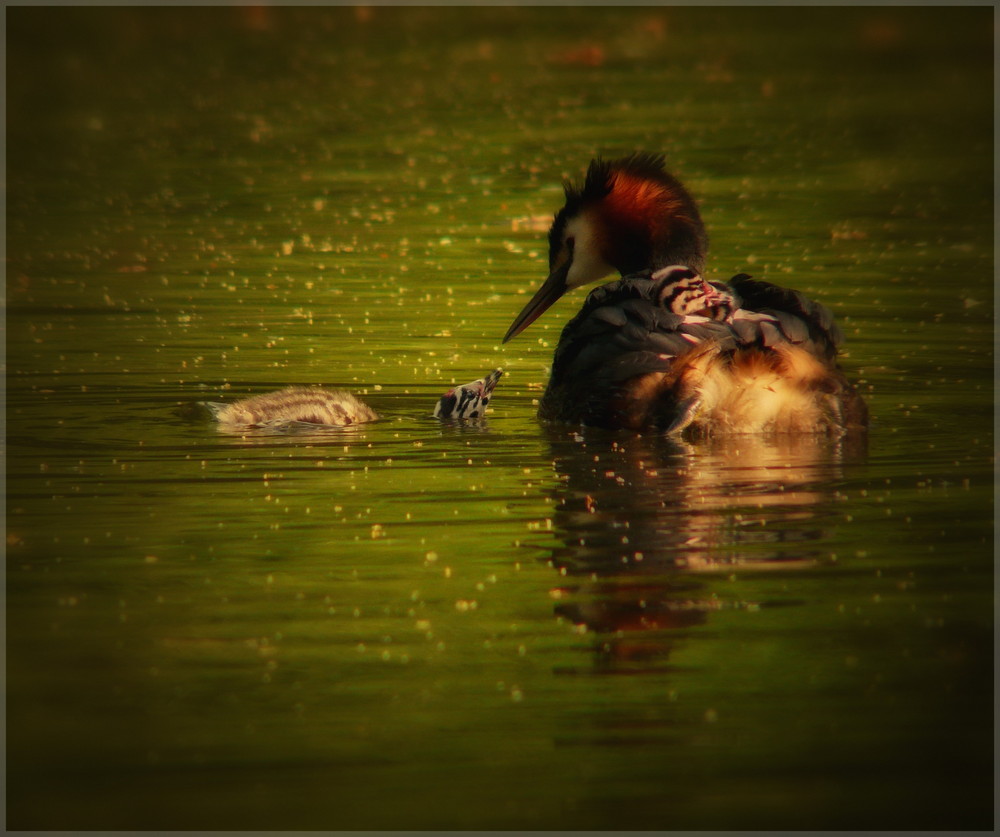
(499, 625)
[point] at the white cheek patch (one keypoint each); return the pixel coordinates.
(587, 266)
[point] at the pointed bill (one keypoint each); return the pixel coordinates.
(553, 288)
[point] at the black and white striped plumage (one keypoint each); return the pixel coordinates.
(468, 400)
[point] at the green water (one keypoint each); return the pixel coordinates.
(410, 625)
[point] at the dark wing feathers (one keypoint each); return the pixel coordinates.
(822, 335)
(622, 332)
(612, 315)
(704, 330)
(627, 366)
(618, 318)
(669, 343)
(616, 362)
(794, 328)
(771, 334)
(747, 331)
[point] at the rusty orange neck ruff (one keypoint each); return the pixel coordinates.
(642, 222)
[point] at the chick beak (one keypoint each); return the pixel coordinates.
(551, 289)
(718, 306)
(712, 294)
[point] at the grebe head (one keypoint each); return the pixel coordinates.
(629, 215)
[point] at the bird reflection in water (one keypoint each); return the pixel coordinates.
(649, 522)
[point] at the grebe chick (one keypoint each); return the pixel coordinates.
(306, 405)
(468, 400)
(339, 408)
(664, 349)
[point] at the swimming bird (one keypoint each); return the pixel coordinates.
(468, 400)
(294, 405)
(664, 349)
(306, 406)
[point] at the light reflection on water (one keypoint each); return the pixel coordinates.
(640, 519)
(480, 565)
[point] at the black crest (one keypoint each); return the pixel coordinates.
(597, 184)
(641, 165)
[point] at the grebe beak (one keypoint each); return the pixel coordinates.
(553, 288)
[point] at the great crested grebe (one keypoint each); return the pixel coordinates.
(664, 349)
(313, 406)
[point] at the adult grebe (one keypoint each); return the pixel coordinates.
(663, 349)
